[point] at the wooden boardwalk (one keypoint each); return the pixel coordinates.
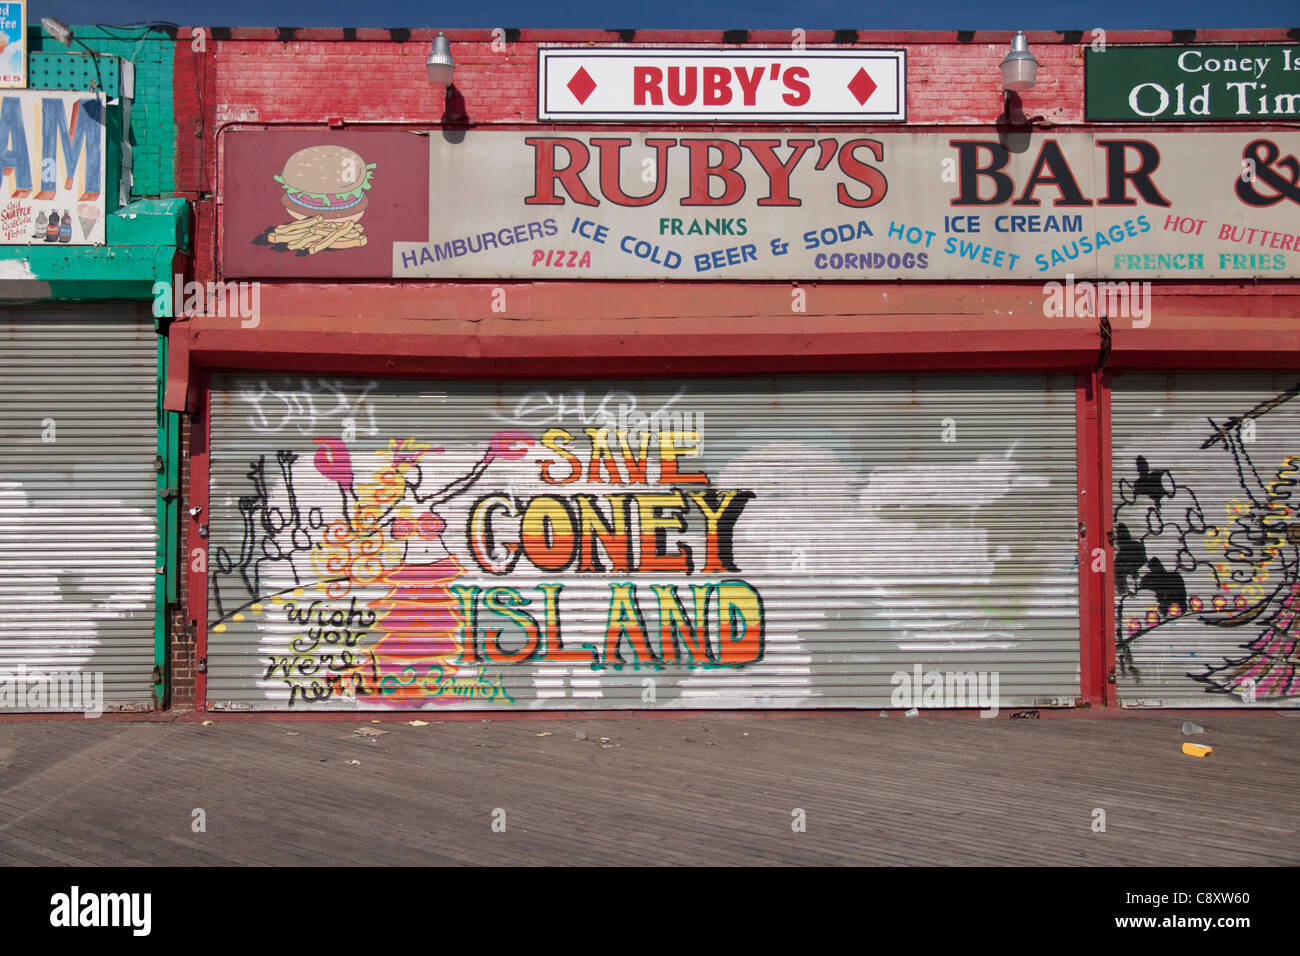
(685, 790)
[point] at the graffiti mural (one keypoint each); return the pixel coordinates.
(394, 545)
(412, 628)
(1213, 558)
(385, 533)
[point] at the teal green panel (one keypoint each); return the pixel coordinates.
(73, 71)
(153, 123)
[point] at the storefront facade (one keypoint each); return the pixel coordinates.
(89, 462)
(618, 379)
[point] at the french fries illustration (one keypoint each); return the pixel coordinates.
(316, 234)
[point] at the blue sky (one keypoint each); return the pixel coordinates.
(686, 14)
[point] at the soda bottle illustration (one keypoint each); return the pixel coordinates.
(52, 227)
(40, 226)
(65, 227)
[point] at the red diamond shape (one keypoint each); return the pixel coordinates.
(581, 85)
(862, 86)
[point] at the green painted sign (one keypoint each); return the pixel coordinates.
(1193, 84)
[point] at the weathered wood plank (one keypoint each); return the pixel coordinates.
(677, 791)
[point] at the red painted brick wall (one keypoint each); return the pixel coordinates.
(309, 81)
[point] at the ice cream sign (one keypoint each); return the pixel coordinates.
(51, 168)
(823, 86)
(13, 45)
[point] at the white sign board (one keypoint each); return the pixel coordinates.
(808, 86)
(51, 168)
(925, 206)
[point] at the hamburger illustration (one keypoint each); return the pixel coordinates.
(328, 182)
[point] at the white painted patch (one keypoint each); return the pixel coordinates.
(16, 269)
(233, 113)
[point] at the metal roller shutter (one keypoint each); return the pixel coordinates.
(781, 542)
(1207, 539)
(78, 436)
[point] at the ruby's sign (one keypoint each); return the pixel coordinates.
(761, 205)
(774, 205)
(824, 86)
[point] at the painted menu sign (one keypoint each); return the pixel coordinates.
(51, 168)
(780, 205)
(1193, 84)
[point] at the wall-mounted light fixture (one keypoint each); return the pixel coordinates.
(1019, 71)
(1019, 67)
(57, 29)
(63, 33)
(440, 66)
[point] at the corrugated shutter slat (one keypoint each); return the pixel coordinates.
(867, 544)
(78, 514)
(1207, 565)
